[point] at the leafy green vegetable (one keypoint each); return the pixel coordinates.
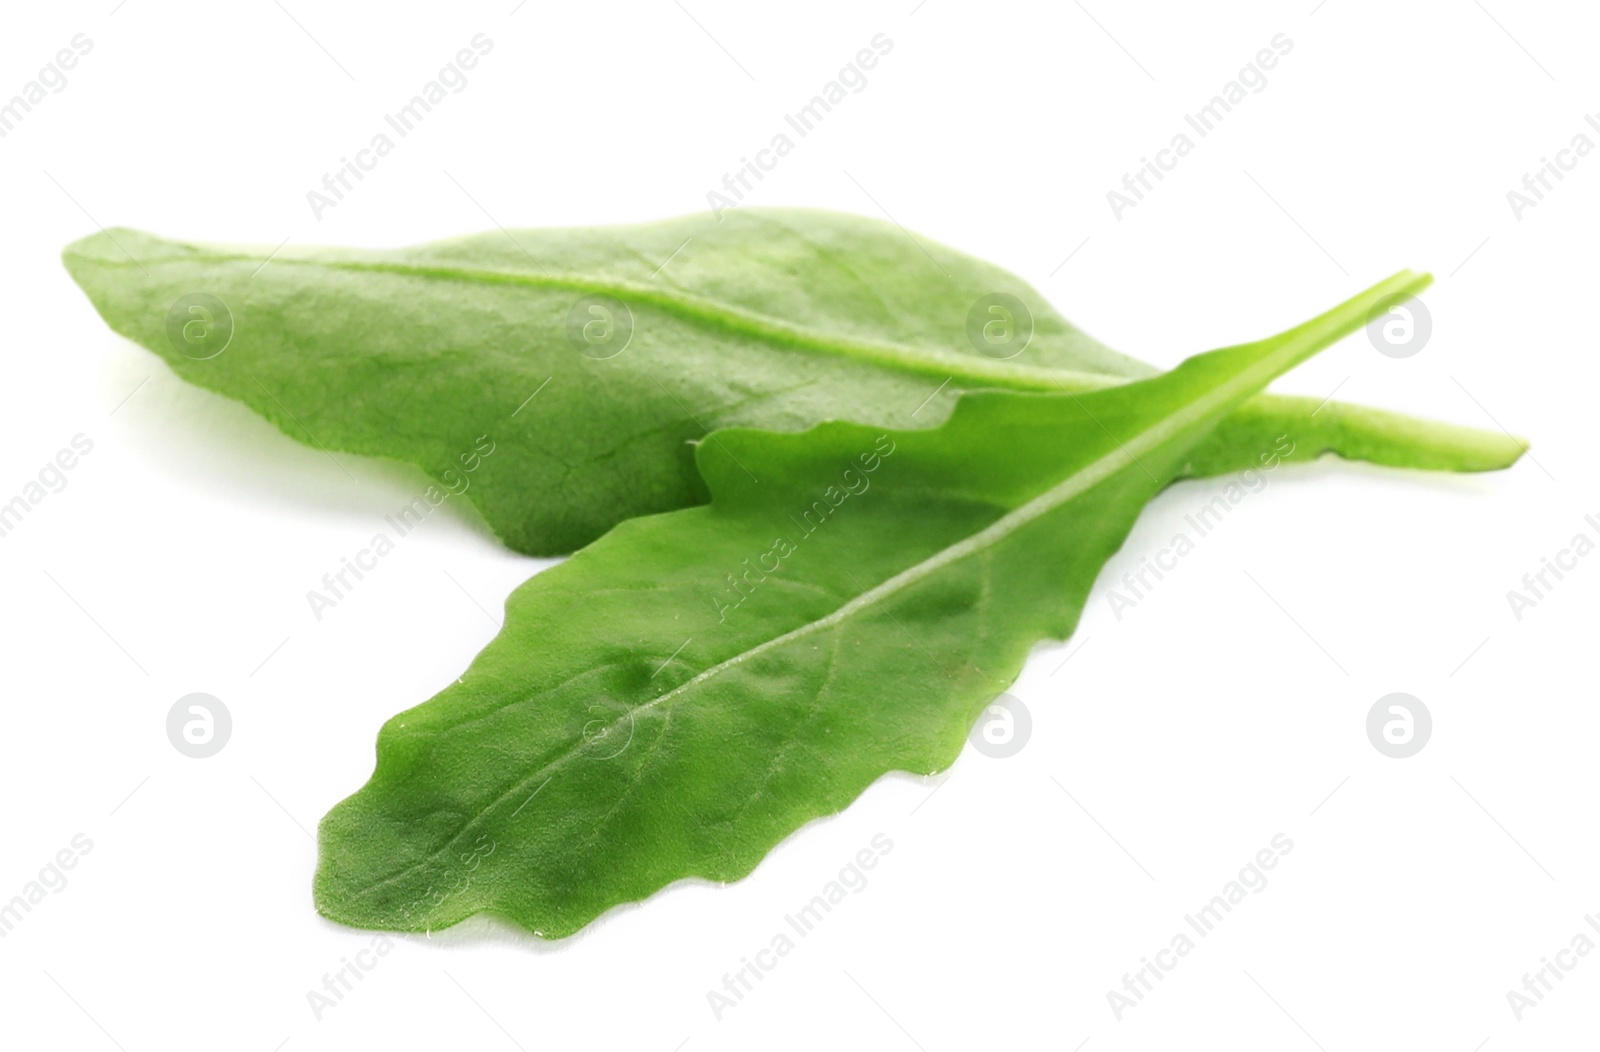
(679, 696)
(594, 357)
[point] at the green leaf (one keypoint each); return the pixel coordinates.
(684, 693)
(771, 319)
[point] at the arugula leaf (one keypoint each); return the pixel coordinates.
(595, 357)
(632, 725)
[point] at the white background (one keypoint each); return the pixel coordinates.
(1188, 733)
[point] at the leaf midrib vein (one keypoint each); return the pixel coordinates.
(919, 361)
(1075, 484)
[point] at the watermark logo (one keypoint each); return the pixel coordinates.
(1003, 729)
(199, 725)
(199, 326)
(1399, 325)
(1399, 725)
(1000, 326)
(609, 729)
(599, 327)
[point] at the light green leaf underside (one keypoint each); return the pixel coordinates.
(772, 319)
(638, 721)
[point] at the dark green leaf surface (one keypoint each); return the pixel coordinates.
(684, 693)
(772, 319)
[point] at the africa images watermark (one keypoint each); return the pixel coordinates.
(337, 585)
(337, 984)
(1252, 880)
(1136, 584)
(852, 879)
(1537, 183)
(803, 122)
(1251, 80)
(51, 478)
(1537, 984)
(852, 483)
(52, 78)
(460, 874)
(1537, 584)
(451, 80)
(52, 878)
